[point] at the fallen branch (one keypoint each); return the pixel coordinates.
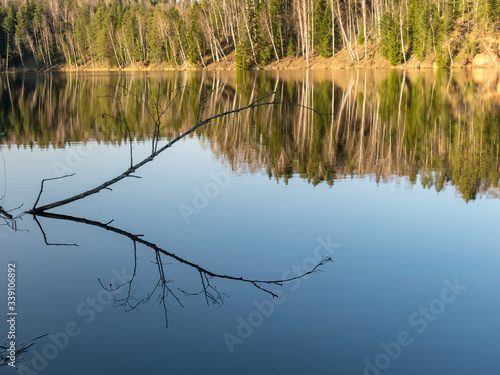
(41, 187)
(211, 293)
(137, 239)
(257, 103)
(5, 214)
(9, 219)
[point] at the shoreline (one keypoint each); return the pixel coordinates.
(341, 61)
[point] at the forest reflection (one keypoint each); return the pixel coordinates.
(435, 128)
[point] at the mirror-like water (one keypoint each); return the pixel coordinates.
(396, 181)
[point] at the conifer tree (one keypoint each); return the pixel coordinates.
(390, 46)
(9, 27)
(323, 29)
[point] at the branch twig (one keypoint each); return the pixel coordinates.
(41, 188)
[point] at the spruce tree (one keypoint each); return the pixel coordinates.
(323, 29)
(390, 47)
(9, 27)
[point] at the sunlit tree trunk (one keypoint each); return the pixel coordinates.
(401, 32)
(363, 4)
(346, 40)
(249, 33)
(114, 48)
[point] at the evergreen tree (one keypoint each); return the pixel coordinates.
(323, 29)
(243, 58)
(262, 38)
(195, 35)
(131, 36)
(9, 28)
(361, 36)
(81, 31)
(290, 52)
(493, 9)
(278, 25)
(156, 44)
(390, 43)
(100, 34)
(421, 39)
(445, 48)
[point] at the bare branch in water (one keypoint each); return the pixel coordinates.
(162, 288)
(41, 188)
(5, 214)
(138, 239)
(209, 291)
(45, 236)
(203, 99)
(9, 219)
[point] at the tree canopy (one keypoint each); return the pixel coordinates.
(121, 34)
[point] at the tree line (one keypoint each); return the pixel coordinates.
(126, 33)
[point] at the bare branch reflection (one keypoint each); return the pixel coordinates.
(164, 287)
(7, 218)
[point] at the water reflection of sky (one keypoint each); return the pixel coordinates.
(397, 248)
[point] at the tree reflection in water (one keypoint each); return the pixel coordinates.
(437, 128)
(156, 108)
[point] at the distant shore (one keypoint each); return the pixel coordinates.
(341, 60)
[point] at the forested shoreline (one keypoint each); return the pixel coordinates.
(50, 34)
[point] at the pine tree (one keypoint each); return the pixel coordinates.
(9, 27)
(445, 49)
(323, 29)
(195, 35)
(390, 47)
(290, 52)
(156, 45)
(243, 58)
(131, 36)
(100, 25)
(493, 9)
(420, 40)
(82, 32)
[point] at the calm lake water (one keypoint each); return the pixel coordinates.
(397, 182)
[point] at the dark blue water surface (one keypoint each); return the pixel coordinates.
(412, 289)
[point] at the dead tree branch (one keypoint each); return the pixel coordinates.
(41, 188)
(138, 239)
(210, 292)
(9, 219)
(257, 103)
